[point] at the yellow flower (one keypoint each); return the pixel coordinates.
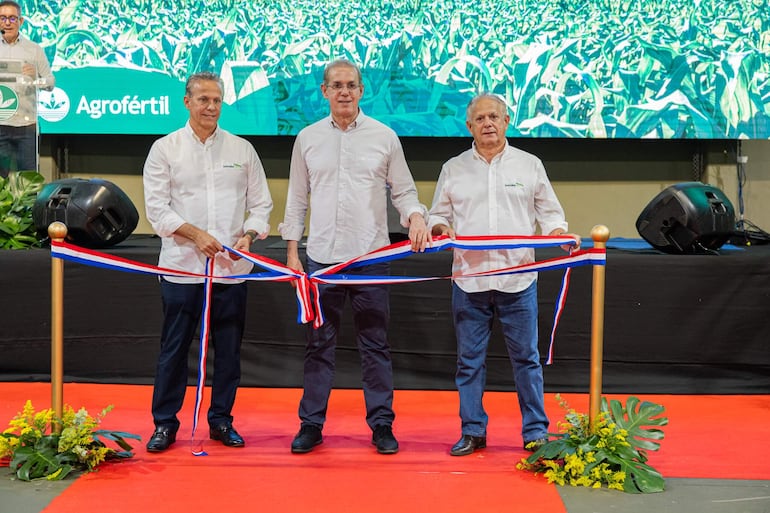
(73, 436)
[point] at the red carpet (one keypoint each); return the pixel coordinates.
(706, 438)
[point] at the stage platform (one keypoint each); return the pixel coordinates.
(673, 324)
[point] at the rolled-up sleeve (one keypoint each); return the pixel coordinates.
(293, 225)
(403, 191)
(157, 193)
(259, 203)
(441, 207)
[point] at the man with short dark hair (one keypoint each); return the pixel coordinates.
(18, 133)
(204, 188)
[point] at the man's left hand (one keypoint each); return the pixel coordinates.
(419, 234)
(242, 244)
(567, 247)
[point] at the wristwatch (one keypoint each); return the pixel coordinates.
(252, 235)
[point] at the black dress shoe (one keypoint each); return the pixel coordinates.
(467, 444)
(384, 440)
(534, 445)
(226, 434)
(308, 437)
(161, 439)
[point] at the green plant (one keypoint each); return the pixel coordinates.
(611, 452)
(18, 193)
(41, 446)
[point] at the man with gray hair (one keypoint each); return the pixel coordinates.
(341, 168)
(495, 189)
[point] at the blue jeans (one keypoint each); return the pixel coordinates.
(371, 313)
(473, 314)
(18, 144)
(182, 306)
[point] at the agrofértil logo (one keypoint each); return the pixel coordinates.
(53, 105)
(9, 102)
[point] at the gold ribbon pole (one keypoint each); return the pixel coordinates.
(57, 231)
(600, 234)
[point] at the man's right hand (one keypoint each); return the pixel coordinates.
(292, 259)
(293, 262)
(206, 243)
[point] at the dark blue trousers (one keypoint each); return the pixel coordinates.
(19, 144)
(371, 313)
(182, 306)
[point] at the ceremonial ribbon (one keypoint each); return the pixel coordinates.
(306, 290)
(308, 299)
(208, 286)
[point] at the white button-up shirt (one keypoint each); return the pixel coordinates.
(346, 175)
(509, 196)
(218, 186)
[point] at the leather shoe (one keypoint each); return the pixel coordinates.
(534, 445)
(384, 440)
(467, 444)
(226, 434)
(161, 439)
(308, 437)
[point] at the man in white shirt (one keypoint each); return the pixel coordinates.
(495, 189)
(18, 133)
(204, 188)
(341, 167)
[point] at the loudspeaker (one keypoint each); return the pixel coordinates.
(97, 212)
(688, 217)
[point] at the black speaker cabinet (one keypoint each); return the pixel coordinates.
(688, 217)
(97, 213)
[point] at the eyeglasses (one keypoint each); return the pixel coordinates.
(9, 19)
(337, 86)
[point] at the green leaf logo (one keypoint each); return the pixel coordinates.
(53, 105)
(9, 102)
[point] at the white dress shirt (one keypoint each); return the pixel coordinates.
(218, 186)
(509, 196)
(347, 174)
(29, 53)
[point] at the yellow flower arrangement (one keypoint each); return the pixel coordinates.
(38, 445)
(612, 452)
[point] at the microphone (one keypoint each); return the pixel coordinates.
(2, 32)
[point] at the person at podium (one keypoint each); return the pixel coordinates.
(18, 132)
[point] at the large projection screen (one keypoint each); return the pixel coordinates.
(660, 69)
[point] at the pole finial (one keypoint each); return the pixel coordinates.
(600, 233)
(57, 230)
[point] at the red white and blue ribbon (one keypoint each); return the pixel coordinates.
(306, 286)
(203, 351)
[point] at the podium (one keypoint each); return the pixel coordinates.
(19, 138)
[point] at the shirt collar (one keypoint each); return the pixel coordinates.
(15, 42)
(211, 138)
(356, 122)
(477, 155)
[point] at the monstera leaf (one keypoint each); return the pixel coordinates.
(640, 477)
(611, 449)
(636, 417)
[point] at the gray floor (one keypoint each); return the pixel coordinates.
(681, 496)
(23, 497)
